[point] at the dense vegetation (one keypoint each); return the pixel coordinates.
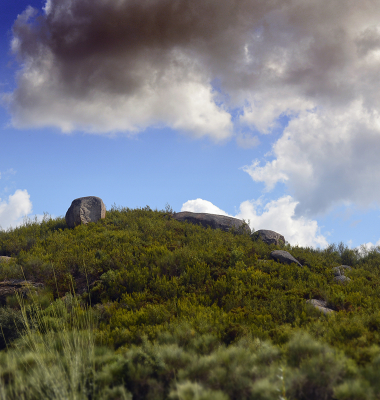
(141, 306)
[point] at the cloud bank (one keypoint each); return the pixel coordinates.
(121, 66)
(277, 215)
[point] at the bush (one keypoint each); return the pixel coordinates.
(11, 324)
(186, 311)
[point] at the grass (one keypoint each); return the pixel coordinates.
(54, 355)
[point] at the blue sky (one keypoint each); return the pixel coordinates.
(268, 113)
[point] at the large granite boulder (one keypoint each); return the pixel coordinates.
(269, 237)
(214, 221)
(85, 210)
(20, 286)
(284, 257)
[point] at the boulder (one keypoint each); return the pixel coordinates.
(20, 286)
(85, 210)
(214, 221)
(5, 259)
(336, 271)
(269, 237)
(340, 271)
(284, 257)
(320, 305)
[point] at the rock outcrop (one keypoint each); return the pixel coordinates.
(5, 259)
(85, 210)
(284, 257)
(269, 237)
(320, 305)
(214, 221)
(339, 273)
(20, 286)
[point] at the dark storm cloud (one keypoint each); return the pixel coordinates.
(148, 51)
(95, 50)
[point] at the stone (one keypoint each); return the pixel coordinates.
(284, 257)
(338, 271)
(20, 286)
(320, 305)
(5, 259)
(269, 237)
(214, 221)
(85, 210)
(341, 279)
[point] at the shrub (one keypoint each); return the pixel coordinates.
(186, 311)
(11, 324)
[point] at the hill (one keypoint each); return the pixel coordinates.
(158, 308)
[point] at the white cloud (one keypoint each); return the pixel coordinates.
(202, 206)
(367, 247)
(186, 106)
(270, 173)
(277, 215)
(13, 210)
(327, 159)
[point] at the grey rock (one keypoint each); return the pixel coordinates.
(5, 259)
(20, 286)
(85, 210)
(320, 305)
(336, 271)
(340, 271)
(269, 237)
(284, 257)
(341, 279)
(214, 221)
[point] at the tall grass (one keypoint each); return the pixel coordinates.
(55, 356)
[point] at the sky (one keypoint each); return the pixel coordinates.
(262, 110)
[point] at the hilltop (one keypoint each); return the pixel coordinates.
(197, 313)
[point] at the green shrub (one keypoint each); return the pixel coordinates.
(194, 391)
(353, 390)
(11, 325)
(179, 308)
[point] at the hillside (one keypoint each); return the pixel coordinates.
(174, 310)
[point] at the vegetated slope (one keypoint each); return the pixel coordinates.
(155, 282)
